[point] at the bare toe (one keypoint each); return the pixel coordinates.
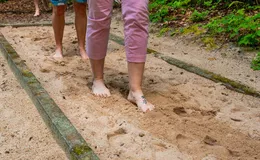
(140, 101)
(99, 89)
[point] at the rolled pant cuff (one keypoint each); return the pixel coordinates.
(96, 57)
(136, 59)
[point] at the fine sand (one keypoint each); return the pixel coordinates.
(194, 118)
(23, 135)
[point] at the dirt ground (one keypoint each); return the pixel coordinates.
(194, 118)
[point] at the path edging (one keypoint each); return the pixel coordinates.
(31, 24)
(64, 132)
(230, 84)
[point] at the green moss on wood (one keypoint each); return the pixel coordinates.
(81, 149)
(236, 85)
(27, 73)
(9, 49)
(83, 152)
(151, 51)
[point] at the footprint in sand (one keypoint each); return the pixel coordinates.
(194, 112)
(45, 70)
(160, 146)
(209, 143)
(57, 61)
(209, 140)
(180, 111)
(118, 132)
(184, 142)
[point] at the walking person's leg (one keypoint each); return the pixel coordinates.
(136, 20)
(58, 22)
(80, 23)
(37, 9)
(99, 19)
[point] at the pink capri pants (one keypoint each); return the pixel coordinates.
(136, 22)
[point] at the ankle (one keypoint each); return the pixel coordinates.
(138, 92)
(98, 80)
(58, 48)
(82, 50)
(81, 47)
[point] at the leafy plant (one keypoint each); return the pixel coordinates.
(2, 1)
(255, 65)
(162, 9)
(207, 3)
(197, 16)
(236, 3)
(163, 31)
(161, 14)
(237, 21)
(239, 27)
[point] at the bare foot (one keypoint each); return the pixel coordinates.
(58, 54)
(36, 14)
(99, 88)
(83, 54)
(139, 99)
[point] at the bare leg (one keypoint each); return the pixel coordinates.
(58, 22)
(135, 71)
(81, 24)
(37, 9)
(136, 22)
(99, 88)
(99, 18)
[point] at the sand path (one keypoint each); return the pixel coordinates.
(194, 118)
